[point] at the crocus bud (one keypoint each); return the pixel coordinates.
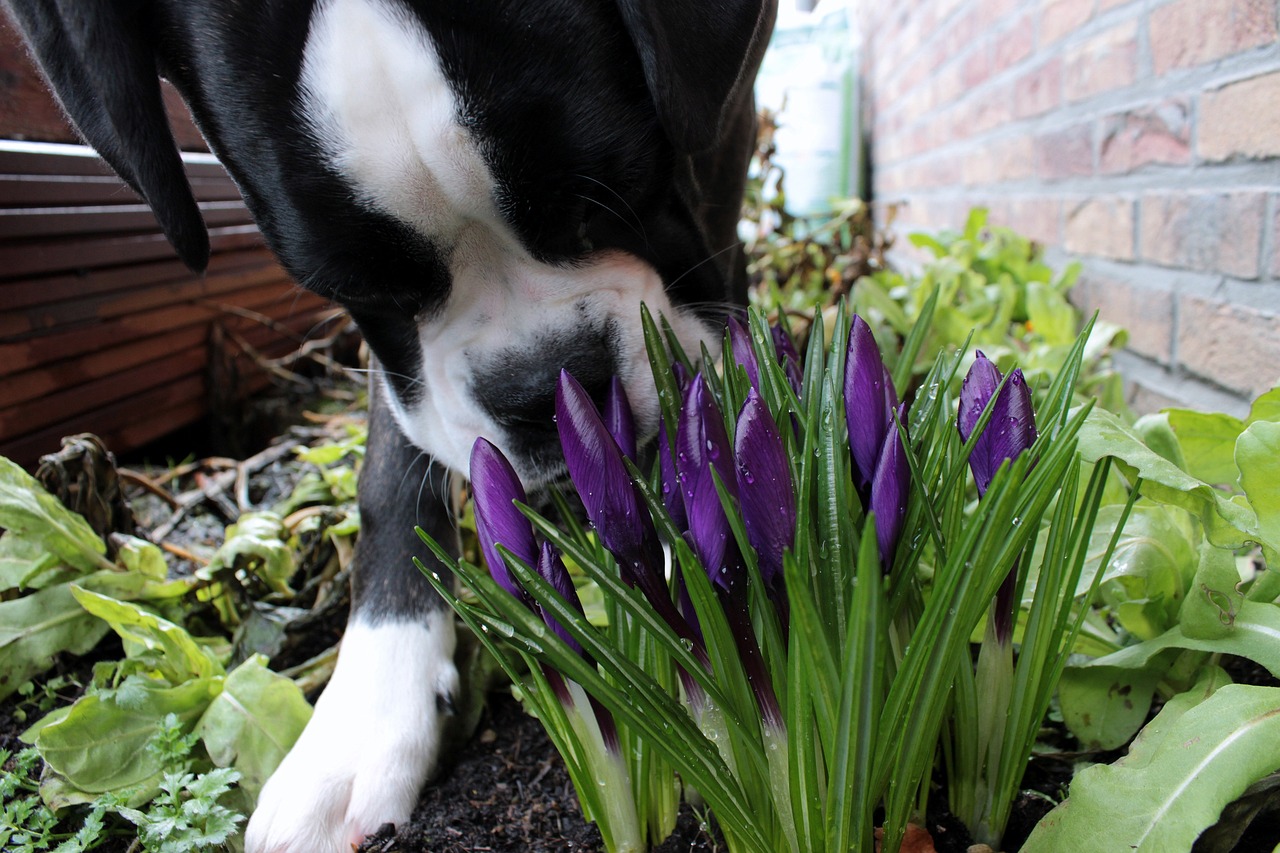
(1012, 427)
(619, 420)
(702, 446)
(765, 491)
(553, 571)
(672, 496)
(889, 490)
(612, 502)
(496, 488)
(743, 353)
(869, 399)
(788, 357)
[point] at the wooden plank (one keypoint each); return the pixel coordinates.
(111, 421)
(45, 379)
(275, 302)
(129, 423)
(30, 223)
(91, 396)
(48, 256)
(17, 294)
(79, 317)
(77, 160)
(30, 190)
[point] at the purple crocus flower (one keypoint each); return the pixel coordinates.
(553, 571)
(619, 420)
(672, 496)
(788, 357)
(1012, 427)
(1010, 431)
(743, 353)
(701, 446)
(869, 399)
(496, 488)
(612, 502)
(765, 491)
(889, 489)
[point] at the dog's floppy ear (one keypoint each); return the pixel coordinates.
(98, 58)
(695, 54)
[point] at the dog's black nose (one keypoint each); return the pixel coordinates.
(517, 387)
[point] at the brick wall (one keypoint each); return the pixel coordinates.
(1140, 136)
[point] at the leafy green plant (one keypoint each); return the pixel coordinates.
(1193, 579)
(728, 667)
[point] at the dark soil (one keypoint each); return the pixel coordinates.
(509, 791)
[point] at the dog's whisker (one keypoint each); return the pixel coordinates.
(633, 226)
(707, 259)
(619, 197)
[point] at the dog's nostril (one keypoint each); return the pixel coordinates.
(518, 388)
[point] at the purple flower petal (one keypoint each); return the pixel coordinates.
(889, 490)
(672, 496)
(553, 571)
(788, 357)
(619, 420)
(498, 522)
(743, 353)
(702, 445)
(1011, 428)
(764, 486)
(601, 479)
(864, 400)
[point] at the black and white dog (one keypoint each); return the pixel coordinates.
(490, 187)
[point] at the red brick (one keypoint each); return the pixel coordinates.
(1038, 90)
(1105, 62)
(1015, 43)
(1275, 238)
(1035, 218)
(1186, 33)
(1207, 232)
(1108, 5)
(1060, 17)
(977, 66)
(1157, 134)
(1007, 159)
(1147, 315)
(992, 12)
(1241, 120)
(1234, 346)
(1101, 226)
(1065, 153)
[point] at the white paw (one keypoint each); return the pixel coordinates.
(370, 745)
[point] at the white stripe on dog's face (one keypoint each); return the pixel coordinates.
(389, 122)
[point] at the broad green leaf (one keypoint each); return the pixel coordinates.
(1049, 314)
(35, 628)
(1213, 601)
(1266, 407)
(1207, 439)
(1186, 766)
(101, 743)
(1153, 561)
(1228, 524)
(143, 557)
(1157, 433)
(1254, 634)
(1258, 458)
(25, 563)
(1104, 706)
(253, 722)
(254, 543)
(179, 657)
(26, 508)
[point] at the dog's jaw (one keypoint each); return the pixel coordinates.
(345, 777)
(389, 122)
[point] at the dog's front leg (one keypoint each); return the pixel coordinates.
(375, 734)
